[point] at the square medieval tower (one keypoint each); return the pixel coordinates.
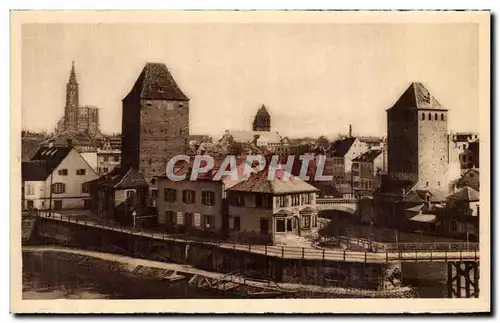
(417, 135)
(155, 122)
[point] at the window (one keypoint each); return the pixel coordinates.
(154, 193)
(355, 173)
(427, 184)
(130, 193)
(105, 158)
(314, 221)
(188, 196)
(435, 116)
(207, 197)
(80, 171)
(430, 116)
(265, 201)
(85, 188)
(58, 188)
(442, 116)
(306, 198)
(423, 116)
(289, 226)
(282, 201)
(170, 194)
(237, 223)
(208, 221)
(116, 158)
(30, 189)
(240, 199)
(63, 172)
(105, 170)
(280, 225)
(295, 199)
(170, 217)
(306, 221)
(439, 183)
(356, 184)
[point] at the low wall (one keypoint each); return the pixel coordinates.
(373, 276)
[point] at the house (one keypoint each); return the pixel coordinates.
(363, 172)
(342, 152)
(460, 218)
(55, 178)
(196, 207)
(470, 178)
(122, 196)
(272, 211)
(108, 157)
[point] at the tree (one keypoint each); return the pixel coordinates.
(323, 141)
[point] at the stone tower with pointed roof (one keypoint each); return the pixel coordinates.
(155, 122)
(417, 127)
(262, 120)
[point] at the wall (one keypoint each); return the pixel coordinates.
(39, 190)
(73, 196)
(433, 150)
(179, 206)
(91, 158)
(164, 133)
(402, 142)
(207, 257)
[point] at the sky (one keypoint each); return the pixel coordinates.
(314, 79)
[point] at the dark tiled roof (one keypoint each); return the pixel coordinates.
(43, 163)
(370, 139)
(35, 170)
(368, 156)
(341, 147)
(156, 83)
(120, 179)
(417, 96)
(263, 112)
(466, 194)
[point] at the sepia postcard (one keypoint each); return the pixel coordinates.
(250, 162)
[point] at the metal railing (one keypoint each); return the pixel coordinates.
(323, 201)
(290, 252)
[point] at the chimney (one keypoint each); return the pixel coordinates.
(350, 131)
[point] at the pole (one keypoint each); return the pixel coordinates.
(467, 241)
(50, 192)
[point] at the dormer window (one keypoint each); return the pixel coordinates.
(160, 90)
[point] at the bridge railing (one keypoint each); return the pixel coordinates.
(323, 201)
(292, 252)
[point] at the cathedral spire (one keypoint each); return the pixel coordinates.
(72, 75)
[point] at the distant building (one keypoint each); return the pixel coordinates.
(262, 211)
(77, 118)
(363, 172)
(470, 178)
(56, 174)
(262, 120)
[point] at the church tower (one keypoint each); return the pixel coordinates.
(262, 120)
(155, 122)
(417, 128)
(71, 107)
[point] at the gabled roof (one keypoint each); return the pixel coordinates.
(259, 183)
(156, 83)
(417, 96)
(466, 194)
(43, 163)
(341, 147)
(368, 156)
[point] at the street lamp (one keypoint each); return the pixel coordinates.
(134, 213)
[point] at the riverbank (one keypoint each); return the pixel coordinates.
(152, 275)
